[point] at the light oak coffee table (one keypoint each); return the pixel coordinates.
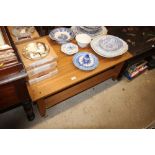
(70, 81)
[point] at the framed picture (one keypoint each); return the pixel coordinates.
(4, 41)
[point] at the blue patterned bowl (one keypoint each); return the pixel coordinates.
(62, 35)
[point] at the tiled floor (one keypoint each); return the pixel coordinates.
(111, 104)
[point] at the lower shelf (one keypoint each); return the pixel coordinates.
(53, 99)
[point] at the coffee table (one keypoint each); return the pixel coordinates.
(70, 81)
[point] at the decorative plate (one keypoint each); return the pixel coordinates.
(62, 35)
(92, 32)
(69, 48)
(110, 43)
(22, 31)
(36, 50)
(103, 48)
(85, 61)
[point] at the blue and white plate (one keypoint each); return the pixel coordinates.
(108, 46)
(62, 35)
(110, 43)
(85, 61)
(69, 48)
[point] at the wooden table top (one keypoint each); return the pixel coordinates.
(68, 74)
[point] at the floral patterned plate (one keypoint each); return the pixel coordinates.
(69, 48)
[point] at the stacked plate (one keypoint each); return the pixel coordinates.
(92, 31)
(109, 46)
(39, 58)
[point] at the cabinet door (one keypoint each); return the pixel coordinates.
(8, 96)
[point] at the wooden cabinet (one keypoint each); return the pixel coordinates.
(13, 90)
(8, 95)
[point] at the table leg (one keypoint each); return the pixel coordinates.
(42, 107)
(24, 97)
(118, 69)
(27, 105)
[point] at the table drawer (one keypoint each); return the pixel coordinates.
(69, 92)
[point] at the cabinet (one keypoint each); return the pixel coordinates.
(13, 90)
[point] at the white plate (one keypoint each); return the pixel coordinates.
(108, 54)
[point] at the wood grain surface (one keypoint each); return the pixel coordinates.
(68, 74)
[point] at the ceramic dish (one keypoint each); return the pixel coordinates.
(92, 33)
(83, 40)
(85, 61)
(62, 35)
(22, 31)
(69, 48)
(110, 43)
(106, 52)
(36, 50)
